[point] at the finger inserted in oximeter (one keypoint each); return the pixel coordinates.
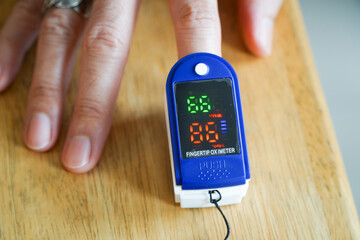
(206, 131)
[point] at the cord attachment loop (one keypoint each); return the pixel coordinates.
(212, 200)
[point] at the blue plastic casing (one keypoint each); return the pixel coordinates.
(189, 172)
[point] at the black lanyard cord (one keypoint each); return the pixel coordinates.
(215, 202)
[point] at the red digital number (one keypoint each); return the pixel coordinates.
(211, 135)
(197, 137)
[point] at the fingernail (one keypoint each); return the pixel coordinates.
(39, 131)
(264, 35)
(77, 153)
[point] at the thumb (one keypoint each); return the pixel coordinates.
(257, 24)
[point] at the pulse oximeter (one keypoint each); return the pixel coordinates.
(206, 131)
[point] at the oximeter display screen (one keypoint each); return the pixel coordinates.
(206, 118)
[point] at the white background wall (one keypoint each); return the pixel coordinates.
(333, 28)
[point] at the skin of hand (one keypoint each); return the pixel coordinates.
(105, 37)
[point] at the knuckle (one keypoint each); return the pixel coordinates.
(91, 109)
(104, 40)
(197, 13)
(29, 10)
(57, 26)
(27, 7)
(45, 92)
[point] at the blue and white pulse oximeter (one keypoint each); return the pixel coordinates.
(206, 131)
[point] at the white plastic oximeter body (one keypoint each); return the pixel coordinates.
(206, 131)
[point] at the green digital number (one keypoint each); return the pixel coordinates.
(204, 104)
(192, 104)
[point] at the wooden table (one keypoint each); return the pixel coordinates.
(298, 189)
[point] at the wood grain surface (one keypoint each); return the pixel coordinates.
(299, 188)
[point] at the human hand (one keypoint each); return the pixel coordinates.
(105, 46)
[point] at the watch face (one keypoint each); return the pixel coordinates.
(206, 118)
